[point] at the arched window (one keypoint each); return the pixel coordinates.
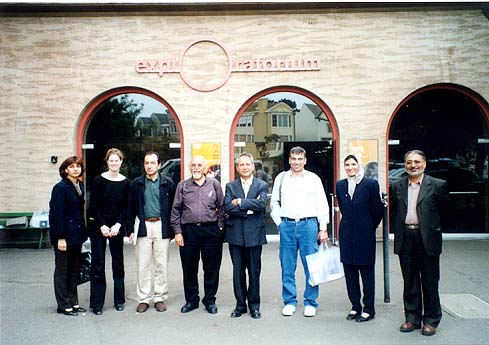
(271, 122)
(451, 125)
(135, 121)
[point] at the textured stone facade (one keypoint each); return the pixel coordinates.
(51, 67)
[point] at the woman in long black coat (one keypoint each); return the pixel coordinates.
(361, 212)
(67, 232)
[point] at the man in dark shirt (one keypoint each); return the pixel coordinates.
(197, 217)
(150, 200)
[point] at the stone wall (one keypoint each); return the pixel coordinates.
(51, 67)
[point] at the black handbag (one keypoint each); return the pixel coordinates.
(84, 274)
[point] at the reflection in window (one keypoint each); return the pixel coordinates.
(156, 124)
(281, 120)
(271, 121)
(135, 124)
(271, 124)
(248, 138)
(245, 121)
(450, 128)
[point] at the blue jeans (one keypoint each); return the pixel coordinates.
(296, 236)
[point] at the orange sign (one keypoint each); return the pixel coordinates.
(210, 151)
(367, 151)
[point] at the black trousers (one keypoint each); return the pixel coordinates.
(98, 284)
(201, 240)
(246, 259)
(66, 270)
(352, 279)
(421, 274)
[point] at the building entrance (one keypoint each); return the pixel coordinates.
(134, 123)
(320, 160)
(275, 120)
(450, 124)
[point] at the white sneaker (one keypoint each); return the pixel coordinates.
(288, 310)
(309, 311)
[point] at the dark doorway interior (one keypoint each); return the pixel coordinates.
(134, 124)
(451, 129)
(320, 160)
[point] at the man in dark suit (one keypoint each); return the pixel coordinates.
(244, 202)
(418, 202)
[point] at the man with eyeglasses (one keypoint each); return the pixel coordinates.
(419, 202)
(197, 218)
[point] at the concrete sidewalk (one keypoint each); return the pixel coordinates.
(28, 310)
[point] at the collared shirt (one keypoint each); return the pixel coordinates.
(413, 193)
(152, 198)
(197, 204)
(246, 184)
(299, 197)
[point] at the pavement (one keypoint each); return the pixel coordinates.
(28, 310)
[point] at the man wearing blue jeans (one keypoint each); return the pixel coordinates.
(301, 212)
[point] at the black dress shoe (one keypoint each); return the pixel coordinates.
(352, 315)
(119, 307)
(365, 317)
(255, 314)
(238, 312)
(211, 308)
(67, 312)
(79, 309)
(188, 307)
(97, 311)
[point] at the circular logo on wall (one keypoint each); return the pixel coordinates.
(206, 65)
(197, 72)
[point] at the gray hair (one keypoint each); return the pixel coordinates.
(416, 152)
(245, 154)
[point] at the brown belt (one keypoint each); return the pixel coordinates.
(153, 219)
(412, 226)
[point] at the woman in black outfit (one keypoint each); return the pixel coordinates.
(361, 212)
(67, 232)
(108, 201)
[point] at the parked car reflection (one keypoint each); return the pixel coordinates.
(468, 202)
(171, 168)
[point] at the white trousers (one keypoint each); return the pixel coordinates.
(152, 254)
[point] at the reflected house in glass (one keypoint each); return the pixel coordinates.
(311, 124)
(157, 124)
(263, 128)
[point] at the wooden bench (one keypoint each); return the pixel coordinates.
(15, 231)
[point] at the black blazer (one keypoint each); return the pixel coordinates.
(360, 218)
(242, 229)
(66, 214)
(136, 206)
(432, 204)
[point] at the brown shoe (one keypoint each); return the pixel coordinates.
(428, 330)
(160, 306)
(409, 327)
(142, 307)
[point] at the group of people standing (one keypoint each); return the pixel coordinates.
(151, 211)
